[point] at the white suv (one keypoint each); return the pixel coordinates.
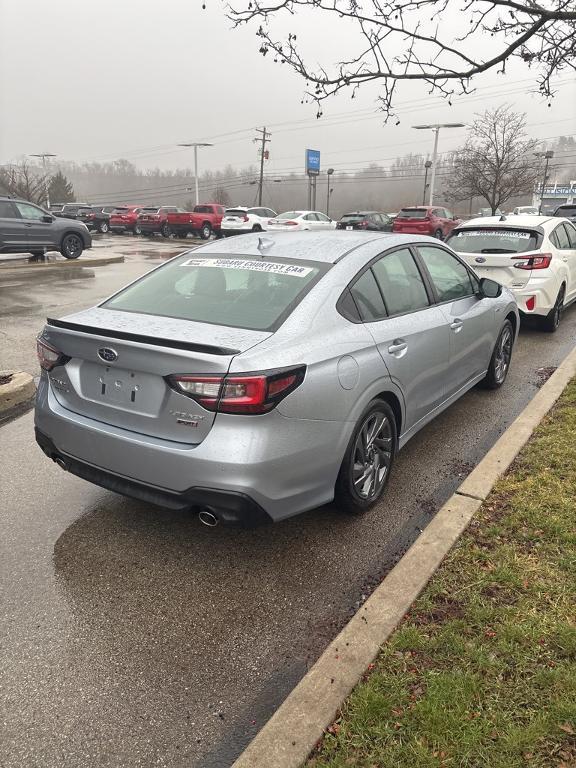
(534, 256)
(238, 221)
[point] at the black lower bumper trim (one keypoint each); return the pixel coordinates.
(230, 508)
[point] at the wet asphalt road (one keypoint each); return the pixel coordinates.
(132, 636)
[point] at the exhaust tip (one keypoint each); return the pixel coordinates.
(207, 517)
(61, 463)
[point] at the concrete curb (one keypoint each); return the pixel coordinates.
(18, 392)
(295, 728)
(42, 266)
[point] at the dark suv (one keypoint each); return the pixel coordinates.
(26, 228)
(373, 221)
(567, 211)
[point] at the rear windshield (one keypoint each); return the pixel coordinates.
(235, 212)
(238, 292)
(289, 215)
(412, 213)
(493, 241)
(566, 210)
(353, 217)
(203, 209)
(122, 210)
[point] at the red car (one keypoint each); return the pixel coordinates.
(167, 220)
(125, 218)
(425, 220)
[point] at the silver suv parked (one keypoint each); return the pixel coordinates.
(257, 377)
(27, 228)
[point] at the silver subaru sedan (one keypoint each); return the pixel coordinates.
(258, 377)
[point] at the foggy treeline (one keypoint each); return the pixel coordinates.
(377, 187)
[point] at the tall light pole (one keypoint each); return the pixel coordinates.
(329, 173)
(44, 155)
(548, 155)
(427, 166)
(196, 144)
(436, 128)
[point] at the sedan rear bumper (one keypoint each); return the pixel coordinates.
(280, 465)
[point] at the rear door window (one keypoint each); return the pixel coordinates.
(560, 238)
(236, 292)
(493, 240)
(571, 233)
(450, 277)
(401, 282)
(368, 297)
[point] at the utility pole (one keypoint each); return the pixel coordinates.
(329, 173)
(263, 138)
(548, 155)
(427, 166)
(44, 155)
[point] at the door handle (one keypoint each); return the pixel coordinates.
(456, 325)
(398, 346)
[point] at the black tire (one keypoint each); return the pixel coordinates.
(551, 322)
(103, 227)
(256, 228)
(206, 231)
(137, 230)
(501, 358)
(358, 464)
(165, 230)
(438, 234)
(72, 246)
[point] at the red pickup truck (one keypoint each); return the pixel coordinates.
(167, 220)
(206, 219)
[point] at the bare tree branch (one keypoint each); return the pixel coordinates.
(540, 34)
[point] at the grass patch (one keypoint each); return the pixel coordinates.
(482, 673)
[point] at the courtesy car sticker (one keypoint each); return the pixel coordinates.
(495, 233)
(294, 270)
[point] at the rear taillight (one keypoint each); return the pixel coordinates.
(245, 218)
(540, 261)
(48, 356)
(290, 223)
(530, 303)
(243, 394)
(362, 224)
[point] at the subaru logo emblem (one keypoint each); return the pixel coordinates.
(108, 354)
(480, 259)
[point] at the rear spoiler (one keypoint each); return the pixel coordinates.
(141, 338)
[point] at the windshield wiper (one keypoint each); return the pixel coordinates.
(498, 250)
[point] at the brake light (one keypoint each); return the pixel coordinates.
(289, 223)
(244, 394)
(530, 303)
(245, 218)
(48, 356)
(540, 261)
(363, 224)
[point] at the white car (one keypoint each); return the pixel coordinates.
(239, 220)
(534, 256)
(525, 210)
(295, 221)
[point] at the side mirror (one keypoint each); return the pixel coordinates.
(48, 219)
(489, 289)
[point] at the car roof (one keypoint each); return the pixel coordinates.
(327, 247)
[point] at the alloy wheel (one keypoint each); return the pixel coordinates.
(503, 355)
(73, 246)
(372, 456)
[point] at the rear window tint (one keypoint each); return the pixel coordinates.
(350, 217)
(493, 241)
(236, 292)
(235, 212)
(412, 213)
(203, 209)
(566, 210)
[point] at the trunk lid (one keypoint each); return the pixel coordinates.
(129, 389)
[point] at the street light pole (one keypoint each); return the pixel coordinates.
(44, 155)
(196, 144)
(548, 155)
(436, 128)
(329, 173)
(427, 165)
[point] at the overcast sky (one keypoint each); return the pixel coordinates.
(109, 79)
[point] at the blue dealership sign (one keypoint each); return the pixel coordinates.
(313, 162)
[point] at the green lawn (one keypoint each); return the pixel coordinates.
(482, 671)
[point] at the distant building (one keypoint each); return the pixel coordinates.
(554, 195)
